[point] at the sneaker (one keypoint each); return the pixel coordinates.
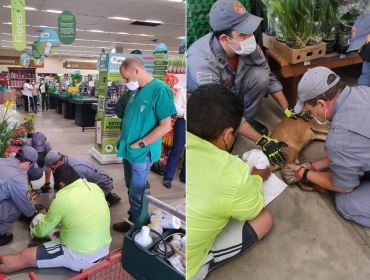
(112, 198)
(121, 227)
(6, 238)
(167, 184)
(259, 127)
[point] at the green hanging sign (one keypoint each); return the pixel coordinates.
(37, 49)
(18, 16)
(67, 27)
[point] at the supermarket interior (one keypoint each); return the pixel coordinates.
(60, 86)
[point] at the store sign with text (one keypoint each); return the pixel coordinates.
(79, 65)
(67, 27)
(18, 16)
(15, 60)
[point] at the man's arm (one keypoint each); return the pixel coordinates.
(50, 221)
(249, 132)
(324, 180)
(21, 197)
(280, 99)
(161, 130)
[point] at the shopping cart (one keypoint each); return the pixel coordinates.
(109, 268)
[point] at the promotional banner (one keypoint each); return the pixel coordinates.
(67, 27)
(37, 49)
(25, 59)
(50, 41)
(18, 16)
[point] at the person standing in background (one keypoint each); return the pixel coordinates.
(27, 96)
(43, 90)
(178, 141)
(361, 42)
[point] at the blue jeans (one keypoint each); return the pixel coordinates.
(136, 175)
(176, 151)
(364, 79)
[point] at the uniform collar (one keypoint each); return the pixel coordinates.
(341, 98)
(218, 51)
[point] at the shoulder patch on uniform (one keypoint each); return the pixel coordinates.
(204, 78)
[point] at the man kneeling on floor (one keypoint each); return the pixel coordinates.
(14, 196)
(224, 200)
(85, 169)
(82, 213)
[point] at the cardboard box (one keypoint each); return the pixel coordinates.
(294, 56)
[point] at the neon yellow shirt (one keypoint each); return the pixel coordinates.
(218, 187)
(83, 214)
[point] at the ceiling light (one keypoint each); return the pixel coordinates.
(30, 9)
(121, 18)
(154, 21)
(113, 42)
(143, 35)
(52, 11)
(95, 30)
(7, 23)
(177, 1)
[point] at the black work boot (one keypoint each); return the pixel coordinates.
(112, 198)
(6, 238)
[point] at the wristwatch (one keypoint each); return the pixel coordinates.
(141, 144)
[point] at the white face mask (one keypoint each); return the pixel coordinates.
(325, 122)
(246, 47)
(133, 85)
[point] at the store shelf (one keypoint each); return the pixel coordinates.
(17, 76)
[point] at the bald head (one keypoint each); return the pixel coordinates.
(131, 62)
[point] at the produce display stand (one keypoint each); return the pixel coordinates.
(84, 114)
(145, 263)
(290, 74)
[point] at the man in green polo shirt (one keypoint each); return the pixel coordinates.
(146, 119)
(81, 211)
(225, 212)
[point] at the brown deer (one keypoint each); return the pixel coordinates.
(297, 134)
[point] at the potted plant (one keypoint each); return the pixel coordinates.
(29, 121)
(328, 28)
(6, 130)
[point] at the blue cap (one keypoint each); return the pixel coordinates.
(161, 47)
(360, 30)
(39, 142)
(231, 14)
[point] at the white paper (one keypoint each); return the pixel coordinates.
(273, 186)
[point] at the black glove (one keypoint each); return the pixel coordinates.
(305, 115)
(273, 149)
(46, 187)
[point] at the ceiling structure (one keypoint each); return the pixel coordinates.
(102, 24)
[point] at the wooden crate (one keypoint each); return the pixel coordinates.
(294, 56)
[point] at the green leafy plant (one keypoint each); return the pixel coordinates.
(6, 131)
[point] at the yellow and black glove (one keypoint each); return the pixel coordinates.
(304, 115)
(289, 113)
(273, 149)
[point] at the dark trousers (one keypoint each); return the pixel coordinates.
(35, 103)
(30, 104)
(176, 151)
(45, 101)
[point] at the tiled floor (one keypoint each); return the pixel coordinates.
(64, 136)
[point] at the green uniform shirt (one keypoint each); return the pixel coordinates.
(145, 109)
(218, 187)
(83, 214)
